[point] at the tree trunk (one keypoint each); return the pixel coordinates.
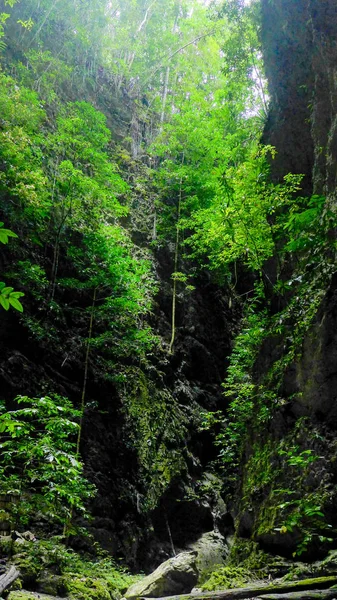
(163, 106)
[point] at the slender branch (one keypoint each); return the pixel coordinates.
(146, 15)
(43, 22)
(170, 56)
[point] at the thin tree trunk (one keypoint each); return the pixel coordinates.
(84, 389)
(86, 365)
(55, 267)
(176, 258)
(146, 15)
(43, 22)
(163, 106)
(169, 533)
(154, 230)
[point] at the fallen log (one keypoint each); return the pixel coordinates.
(317, 583)
(7, 578)
(329, 594)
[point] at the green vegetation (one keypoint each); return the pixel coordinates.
(131, 169)
(8, 297)
(58, 571)
(76, 195)
(39, 466)
(229, 577)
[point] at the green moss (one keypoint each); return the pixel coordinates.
(228, 577)
(260, 470)
(247, 554)
(28, 565)
(86, 588)
(156, 427)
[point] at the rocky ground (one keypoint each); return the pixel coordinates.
(207, 571)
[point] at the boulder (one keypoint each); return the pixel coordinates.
(177, 575)
(212, 550)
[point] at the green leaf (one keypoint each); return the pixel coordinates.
(4, 302)
(16, 303)
(7, 290)
(5, 234)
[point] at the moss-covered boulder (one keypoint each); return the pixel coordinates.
(86, 588)
(54, 585)
(212, 550)
(177, 575)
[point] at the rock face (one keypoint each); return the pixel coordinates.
(299, 40)
(177, 575)
(300, 48)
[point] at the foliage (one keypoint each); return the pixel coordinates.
(242, 393)
(5, 234)
(304, 515)
(288, 488)
(94, 574)
(64, 183)
(157, 428)
(38, 461)
(298, 507)
(190, 166)
(8, 297)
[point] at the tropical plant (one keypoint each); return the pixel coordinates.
(39, 466)
(8, 297)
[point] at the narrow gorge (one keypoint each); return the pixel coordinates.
(168, 299)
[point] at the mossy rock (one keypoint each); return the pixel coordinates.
(86, 588)
(24, 595)
(178, 575)
(21, 595)
(29, 569)
(212, 551)
(54, 585)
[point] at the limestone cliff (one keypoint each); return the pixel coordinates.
(288, 490)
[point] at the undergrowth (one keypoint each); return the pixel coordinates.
(49, 566)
